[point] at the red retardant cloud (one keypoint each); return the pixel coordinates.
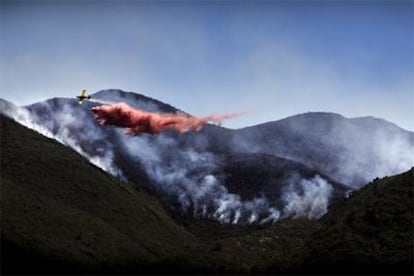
(138, 121)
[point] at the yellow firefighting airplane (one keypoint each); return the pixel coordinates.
(83, 96)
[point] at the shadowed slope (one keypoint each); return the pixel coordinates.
(58, 208)
(373, 230)
(61, 214)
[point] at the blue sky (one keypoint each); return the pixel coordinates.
(275, 58)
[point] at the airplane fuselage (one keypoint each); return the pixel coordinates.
(81, 98)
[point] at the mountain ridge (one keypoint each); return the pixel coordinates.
(327, 144)
(331, 114)
(56, 111)
(36, 183)
(102, 93)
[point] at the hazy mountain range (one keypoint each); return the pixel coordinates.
(252, 177)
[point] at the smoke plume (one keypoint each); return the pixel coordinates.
(351, 151)
(23, 117)
(138, 121)
(189, 172)
(310, 200)
(72, 129)
(191, 182)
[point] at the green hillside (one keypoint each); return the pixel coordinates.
(277, 248)
(59, 208)
(372, 230)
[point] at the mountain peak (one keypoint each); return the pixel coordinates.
(135, 99)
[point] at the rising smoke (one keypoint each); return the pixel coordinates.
(190, 180)
(351, 151)
(74, 134)
(189, 177)
(310, 199)
(23, 117)
(71, 130)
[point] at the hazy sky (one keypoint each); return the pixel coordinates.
(276, 58)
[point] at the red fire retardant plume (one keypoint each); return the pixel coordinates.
(138, 121)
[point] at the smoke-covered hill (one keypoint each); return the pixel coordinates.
(305, 192)
(62, 215)
(189, 177)
(257, 174)
(352, 151)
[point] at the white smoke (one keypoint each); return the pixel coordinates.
(69, 124)
(387, 152)
(189, 178)
(351, 151)
(23, 117)
(310, 201)
(64, 133)
(191, 181)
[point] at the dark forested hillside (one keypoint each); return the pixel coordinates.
(57, 207)
(373, 230)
